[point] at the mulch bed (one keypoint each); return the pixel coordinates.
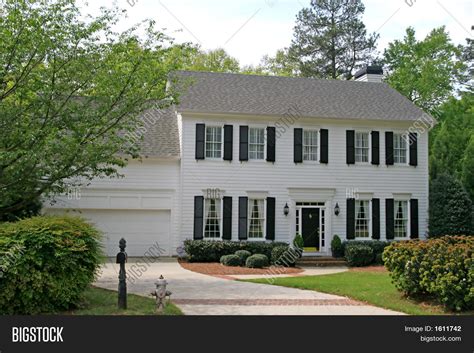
(217, 269)
(369, 269)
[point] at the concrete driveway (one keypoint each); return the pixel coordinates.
(198, 294)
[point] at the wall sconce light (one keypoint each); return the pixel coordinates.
(337, 209)
(286, 210)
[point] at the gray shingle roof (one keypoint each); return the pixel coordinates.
(275, 96)
(208, 92)
(161, 138)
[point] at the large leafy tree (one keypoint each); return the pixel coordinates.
(450, 208)
(450, 150)
(282, 64)
(330, 39)
(217, 60)
(69, 89)
(468, 58)
(467, 172)
(425, 71)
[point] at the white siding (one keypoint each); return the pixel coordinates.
(236, 178)
(150, 185)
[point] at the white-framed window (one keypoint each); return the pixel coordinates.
(362, 219)
(256, 219)
(400, 149)
(310, 145)
(214, 141)
(362, 147)
(212, 218)
(401, 218)
(256, 143)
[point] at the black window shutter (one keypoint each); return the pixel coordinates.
(389, 219)
(271, 140)
(324, 158)
(389, 148)
(228, 143)
(270, 218)
(350, 146)
(227, 219)
(243, 205)
(350, 219)
(200, 140)
(198, 217)
(298, 145)
(414, 219)
(244, 143)
(375, 218)
(413, 138)
(375, 147)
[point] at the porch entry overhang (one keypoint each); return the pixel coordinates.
(312, 217)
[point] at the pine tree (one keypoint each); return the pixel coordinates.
(330, 39)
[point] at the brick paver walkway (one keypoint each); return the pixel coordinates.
(283, 302)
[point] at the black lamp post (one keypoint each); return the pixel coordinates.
(122, 287)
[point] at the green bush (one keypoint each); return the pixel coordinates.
(257, 261)
(47, 263)
(442, 268)
(212, 251)
(337, 248)
(450, 208)
(284, 255)
(359, 255)
(243, 255)
(378, 260)
(231, 260)
(377, 247)
(298, 241)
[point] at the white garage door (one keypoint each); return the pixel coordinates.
(146, 232)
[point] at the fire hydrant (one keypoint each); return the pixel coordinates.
(161, 293)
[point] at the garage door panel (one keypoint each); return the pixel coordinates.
(146, 232)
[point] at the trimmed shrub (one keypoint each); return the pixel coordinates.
(257, 261)
(359, 255)
(284, 255)
(377, 247)
(378, 260)
(47, 263)
(243, 255)
(231, 260)
(337, 248)
(298, 241)
(442, 268)
(212, 251)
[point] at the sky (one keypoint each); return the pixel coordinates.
(250, 29)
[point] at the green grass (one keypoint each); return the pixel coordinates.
(98, 301)
(371, 287)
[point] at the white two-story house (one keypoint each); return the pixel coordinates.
(257, 158)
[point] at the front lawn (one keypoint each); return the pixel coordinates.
(100, 301)
(371, 287)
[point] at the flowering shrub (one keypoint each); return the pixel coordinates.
(442, 268)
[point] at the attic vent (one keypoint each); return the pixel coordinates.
(371, 73)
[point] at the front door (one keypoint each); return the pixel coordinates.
(310, 228)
